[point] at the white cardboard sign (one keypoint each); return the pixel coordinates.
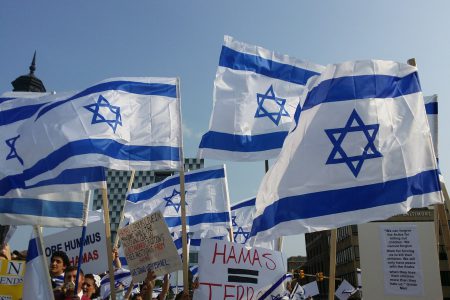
(148, 245)
(233, 271)
(95, 258)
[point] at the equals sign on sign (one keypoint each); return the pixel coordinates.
(242, 275)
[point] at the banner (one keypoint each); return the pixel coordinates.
(148, 245)
(95, 258)
(12, 273)
(233, 271)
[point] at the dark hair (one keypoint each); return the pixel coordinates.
(63, 256)
(73, 268)
(97, 289)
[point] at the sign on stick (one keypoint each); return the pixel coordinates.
(233, 271)
(148, 245)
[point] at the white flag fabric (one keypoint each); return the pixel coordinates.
(431, 107)
(242, 215)
(207, 202)
(34, 285)
(39, 203)
(361, 151)
(256, 92)
(120, 123)
(277, 290)
(122, 277)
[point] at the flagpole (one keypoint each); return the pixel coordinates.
(108, 238)
(230, 232)
(130, 185)
(279, 245)
(83, 237)
(183, 201)
(332, 276)
(40, 242)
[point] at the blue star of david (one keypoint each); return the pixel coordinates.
(169, 200)
(262, 111)
(233, 221)
(337, 136)
(245, 234)
(99, 118)
(11, 143)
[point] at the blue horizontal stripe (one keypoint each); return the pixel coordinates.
(175, 181)
(178, 243)
(140, 88)
(106, 147)
(33, 251)
(243, 143)
(117, 277)
(361, 87)
(209, 218)
(3, 99)
(250, 202)
(236, 60)
(431, 108)
(41, 208)
(345, 200)
(69, 176)
(17, 114)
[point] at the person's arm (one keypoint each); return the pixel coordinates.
(164, 288)
(150, 282)
(116, 258)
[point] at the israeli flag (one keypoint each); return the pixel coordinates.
(207, 202)
(34, 285)
(242, 215)
(122, 278)
(40, 203)
(361, 151)
(278, 290)
(120, 123)
(256, 92)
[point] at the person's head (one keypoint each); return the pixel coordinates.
(70, 276)
(90, 287)
(137, 297)
(58, 263)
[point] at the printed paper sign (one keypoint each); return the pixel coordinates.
(95, 257)
(311, 289)
(401, 260)
(233, 271)
(11, 279)
(147, 245)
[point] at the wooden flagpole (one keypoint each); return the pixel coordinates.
(130, 185)
(108, 239)
(183, 201)
(40, 244)
(332, 276)
(279, 239)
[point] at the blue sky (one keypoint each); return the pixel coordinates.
(79, 43)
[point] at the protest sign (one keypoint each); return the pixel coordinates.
(11, 279)
(233, 271)
(311, 289)
(148, 245)
(399, 260)
(95, 258)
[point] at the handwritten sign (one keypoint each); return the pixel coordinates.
(12, 273)
(233, 271)
(147, 245)
(95, 259)
(401, 260)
